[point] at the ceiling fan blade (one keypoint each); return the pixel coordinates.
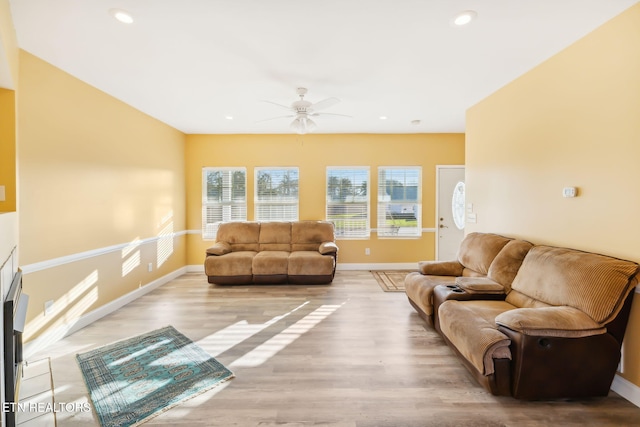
(275, 118)
(332, 114)
(286, 107)
(325, 103)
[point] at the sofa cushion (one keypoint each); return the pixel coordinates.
(477, 251)
(558, 321)
(593, 283)
(419, 289)
(275, 236)
(241, 236)
(312, 263)
(506, 264)
(232, 264)
(307, 235)
(270, 263)
(470, 328)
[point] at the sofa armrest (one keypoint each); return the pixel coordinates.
(328, 248)
(479, 285)
(219, 248)
(440, 268)
(560, 321)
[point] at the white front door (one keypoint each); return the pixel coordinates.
(450, 210)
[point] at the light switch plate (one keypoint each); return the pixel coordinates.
(2, 194)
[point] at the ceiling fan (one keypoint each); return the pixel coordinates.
(302, 111)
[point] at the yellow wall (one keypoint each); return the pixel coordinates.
(94, 174)
(8, 66)
(8, 149)
(312, 154)
(8, 43)
(572, 121)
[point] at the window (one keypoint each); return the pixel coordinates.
(224, 198)
(276, 194)
(348, 201)
(399, 201)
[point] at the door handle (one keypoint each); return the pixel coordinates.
(443, 226)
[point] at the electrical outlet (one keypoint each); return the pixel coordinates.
(150, 267)
(367, 251)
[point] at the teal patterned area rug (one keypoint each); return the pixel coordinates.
(133, 380)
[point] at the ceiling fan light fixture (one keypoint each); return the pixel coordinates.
(311, 125)
(302, 125)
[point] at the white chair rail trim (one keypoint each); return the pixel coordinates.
(54, 262)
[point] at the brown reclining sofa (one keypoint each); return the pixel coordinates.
(249, 252)
(529, 321)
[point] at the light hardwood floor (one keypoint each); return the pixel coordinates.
(343, 355)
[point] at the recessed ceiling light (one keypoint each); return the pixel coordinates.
(228, 117)
(121, 15)
(383, 117)
(464, 17)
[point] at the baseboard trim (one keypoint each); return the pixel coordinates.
(59, 332)
(626, 389)
(195, 268)
(377, 266)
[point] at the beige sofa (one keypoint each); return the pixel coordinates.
(530, 321)
(302, 252)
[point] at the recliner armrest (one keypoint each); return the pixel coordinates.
(328, 248)
(440, 268)
(479, 285)
(560, 321)
(219, 248)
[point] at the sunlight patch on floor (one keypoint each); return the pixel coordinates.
(224, 339)
(271, 347)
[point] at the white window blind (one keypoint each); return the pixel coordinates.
(224, 198)
(276, 192)
(348, 201)
(400, 201)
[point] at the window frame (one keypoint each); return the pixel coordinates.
(259, 205)
(386, 207)
(349, 233)
(210, 229)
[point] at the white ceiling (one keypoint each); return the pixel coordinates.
(190, 63)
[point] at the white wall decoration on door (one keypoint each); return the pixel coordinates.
(457, 205)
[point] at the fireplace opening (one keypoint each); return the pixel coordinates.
(15, 315)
